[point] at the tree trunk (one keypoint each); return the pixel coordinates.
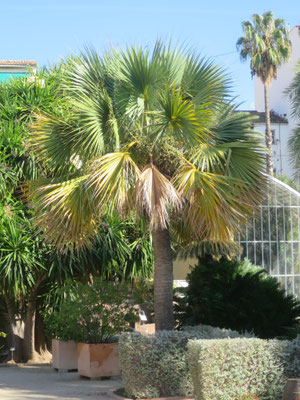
(163, 280)
(29, 331)
(269, 138)
(15, 331)
(42, 343)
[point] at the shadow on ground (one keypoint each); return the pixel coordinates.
(42, 382)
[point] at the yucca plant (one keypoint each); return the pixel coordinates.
(149, 132)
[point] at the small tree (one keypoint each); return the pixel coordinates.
(266, 42)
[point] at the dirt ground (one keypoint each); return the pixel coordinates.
(42, 382)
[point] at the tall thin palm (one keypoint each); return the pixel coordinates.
(266, 42)
(151, 133)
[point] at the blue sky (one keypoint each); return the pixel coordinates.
(48, 30)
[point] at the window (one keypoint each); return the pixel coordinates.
(271, 238)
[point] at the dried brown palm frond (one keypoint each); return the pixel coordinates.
(155, 195)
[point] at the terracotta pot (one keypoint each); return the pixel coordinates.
(64, 355)
(95, 360)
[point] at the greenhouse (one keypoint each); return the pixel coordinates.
(272, 236)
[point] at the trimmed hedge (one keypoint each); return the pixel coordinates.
(157, 365)
(229, 369)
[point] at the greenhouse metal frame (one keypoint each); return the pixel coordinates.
(271, 238)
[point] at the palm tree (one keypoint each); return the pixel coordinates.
(293, 93)
(266, 42)
(151, 133)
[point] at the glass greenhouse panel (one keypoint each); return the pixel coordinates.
(271, 237)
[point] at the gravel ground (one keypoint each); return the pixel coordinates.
(42, 382)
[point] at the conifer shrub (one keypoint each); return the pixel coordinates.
(237, 295)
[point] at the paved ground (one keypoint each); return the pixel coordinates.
(42, 382)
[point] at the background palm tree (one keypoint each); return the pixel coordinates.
(150, 133)
(266, 42)
(293, 93)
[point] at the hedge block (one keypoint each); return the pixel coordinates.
(229, 369)
(157, 365)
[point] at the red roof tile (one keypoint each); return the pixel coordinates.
(274, 117)
(18, 62)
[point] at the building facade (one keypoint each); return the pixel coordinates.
(10, 68)
(280, 132)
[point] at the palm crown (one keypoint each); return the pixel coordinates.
(153, 133)
(266, 42)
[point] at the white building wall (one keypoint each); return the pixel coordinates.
(278, 101)
(280, 150)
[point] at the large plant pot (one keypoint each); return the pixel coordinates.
(146, 329)
(64, 355)
(95, 360)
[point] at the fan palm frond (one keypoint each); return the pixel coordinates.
(112, 178)
(205, 82)
(84, 74)
(52, 140)
(64, 209)
(214, 206)
(181, 119)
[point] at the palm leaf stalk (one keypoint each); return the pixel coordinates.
(266, 43)
(152, 133)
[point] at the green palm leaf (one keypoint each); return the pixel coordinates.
(112, 178)
(212, 210)
(64, 209)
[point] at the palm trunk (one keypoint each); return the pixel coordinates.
(163, 280)
(269, 138)
(29, 332)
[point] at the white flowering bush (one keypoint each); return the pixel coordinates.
(157, 365)
(229, 369)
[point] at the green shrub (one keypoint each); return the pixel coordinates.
(240, 296)
(61, 325)
(229, 369)
(92, 313)
(157, 365)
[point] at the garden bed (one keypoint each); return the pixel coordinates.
(120, 393)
